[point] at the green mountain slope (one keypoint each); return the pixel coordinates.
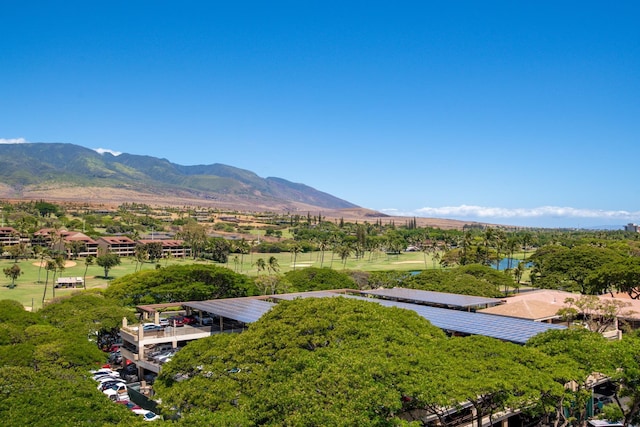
(51, 164)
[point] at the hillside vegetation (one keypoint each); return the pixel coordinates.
(41, 169)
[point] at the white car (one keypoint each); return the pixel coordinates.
(107, 377)
(103, 371)
(117, 392)
(147, 415)
(108, 384)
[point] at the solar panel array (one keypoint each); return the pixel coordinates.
(312, 294)
(247, 310)
(500, 327)
(440, 298)
(463, 322)
(511, 329)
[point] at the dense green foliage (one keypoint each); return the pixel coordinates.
(178, 283)
(567, 268)
(471, 279)
(85, 313)
(53, 397)
(44, 362)
(593, 354)
(321, 362)
(336, 361)
(317, 279)
(107, 262)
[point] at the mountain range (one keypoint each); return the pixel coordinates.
(61, 171)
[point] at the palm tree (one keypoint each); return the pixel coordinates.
(511, 248)
(44, 252)
(467, 240)
(58, 266)
(526, 240)
(140, 253)
(344, 251)
(273, 264)
(489, 236)
(295, 249)
(260, 265)
(51, 266)
(87, 262)
(436, 257)
(244, 248)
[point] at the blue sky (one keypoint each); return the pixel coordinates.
(523, 113)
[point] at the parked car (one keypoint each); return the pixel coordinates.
(162, 357)
(147, 415)
(115, 358)
(108, 379)
(177, 321)
(117, 392)
(107, 385)
(205, 320)
(102, 371)
(98, 375)
(190, 320)
(152, 327)
(129, 404)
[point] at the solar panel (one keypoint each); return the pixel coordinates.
(246, 310)
(439, 298)
(312, 294)
(511, 329)
(504, 328)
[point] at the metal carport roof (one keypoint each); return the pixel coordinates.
(431, 297)
(246, 310)
(504, 328)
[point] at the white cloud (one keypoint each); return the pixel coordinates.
(13, 141)
(542, 214)
(106, 150)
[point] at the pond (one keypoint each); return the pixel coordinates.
(504, 263)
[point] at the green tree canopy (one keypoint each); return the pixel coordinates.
(561, 267)
(107, 262)
(337, 361)
(85, 313)
(44, 368)
(177, 283)
(620, 276)
(53, 397)
(317, 279)
(474, 279)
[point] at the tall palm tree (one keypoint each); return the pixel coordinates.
(526, 240)
(87, 262)
(344, 251)
(43, 253)
(260, 265)
(273, 264)
(295, 249)
(51, 266)
(512, 243)
(59, 267)
(488, 238)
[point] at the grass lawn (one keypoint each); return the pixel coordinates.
(30, 285)
(29, 288)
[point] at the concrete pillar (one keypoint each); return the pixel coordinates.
(124, 322)
(156, 318)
